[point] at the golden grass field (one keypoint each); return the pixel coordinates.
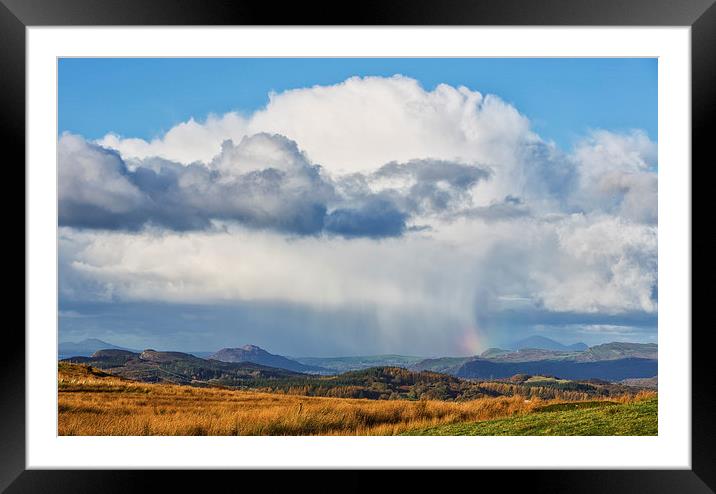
(96, 404)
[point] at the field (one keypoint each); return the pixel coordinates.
(95, 403)
(638, 418)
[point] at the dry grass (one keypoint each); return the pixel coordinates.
(99, 404)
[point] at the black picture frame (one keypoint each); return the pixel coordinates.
(700, 15)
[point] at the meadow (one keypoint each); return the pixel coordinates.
(91, 402)
(603, 418)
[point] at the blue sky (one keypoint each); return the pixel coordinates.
(563, 97)
(376, 215)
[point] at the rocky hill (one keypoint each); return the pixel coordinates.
(257, 355)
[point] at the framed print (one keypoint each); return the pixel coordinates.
(415, 237)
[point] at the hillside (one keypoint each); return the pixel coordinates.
(377, 383)
(395, 383)
(344, 364)
(129, 407)
(609, 370)
(447, 365)
(542, 343)
(178, 368)
(585, 373)
(385, 383)
(533, 355)
(638, 418)
(614, 351)
(257, 355)
(610, 361)
(171, 410)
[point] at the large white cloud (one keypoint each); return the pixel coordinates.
(602, 264)
(617, 174)
(474, 211)
(186, 142)
(361, 124)
(358, 125)
(576, 264)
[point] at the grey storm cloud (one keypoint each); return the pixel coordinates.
(377, 217)
(510, 207)
(435, 185)
(264, 182)
(100, 190)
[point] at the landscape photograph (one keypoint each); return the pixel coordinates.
(357, 246)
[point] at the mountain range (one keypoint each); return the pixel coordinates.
(608, 370)
(372, 383)
(611, 361)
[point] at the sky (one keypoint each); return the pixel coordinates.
(144, 98)
(357, 206)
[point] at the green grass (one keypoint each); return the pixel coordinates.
(569, 419)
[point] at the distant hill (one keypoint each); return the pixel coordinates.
(598, 353)
(451, 365)
(344, 364)
(493, 352)
(609, 370)
(613, 351)
(179, 368)
(257, 355)
(375, 383)
(610, 362)
(542, 343)
(84, 348)
(534, 354)
(447, 365)
(251, 366)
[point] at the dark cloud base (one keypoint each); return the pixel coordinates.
(100, 190)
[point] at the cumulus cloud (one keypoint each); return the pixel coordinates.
(509, 208)
(358, 125)
(265, 182)
(95, 188)
(98, 189)
(375, 217)
(617, 175)
(607, 264)
(429, 186)
(369, 193)
(605, 151)
(186, 142)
